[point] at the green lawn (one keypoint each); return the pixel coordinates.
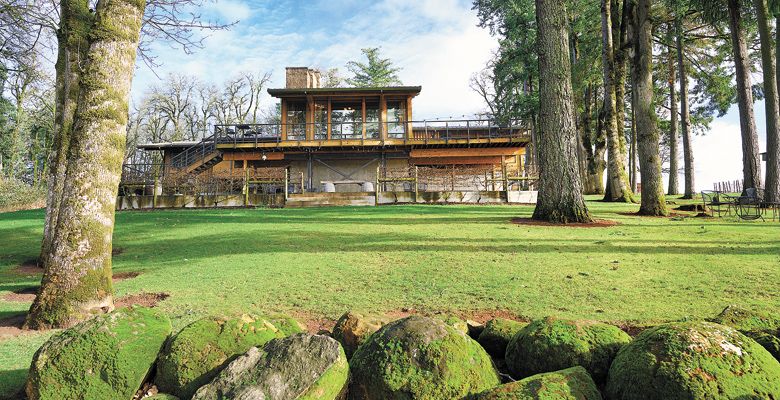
(318, 263)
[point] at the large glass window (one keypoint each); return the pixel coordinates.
(321, 120)
(296, 121)
(396, 119)
(372, 119)
(346, 120)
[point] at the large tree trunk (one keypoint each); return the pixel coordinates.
(593, 146)
(560, 189)
(674, 188)
(76, 282)
(618, 189)
(653, 200)
(751, 164)
(685, 113)
(75, 24)
(769, 66)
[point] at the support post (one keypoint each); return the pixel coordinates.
(493, 177)
(246, 186)
(416, 186)
(506, 178)
(376, 188)
(286, 184)
(303, 185)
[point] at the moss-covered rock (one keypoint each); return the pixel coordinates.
(746, 320)
(552, 344)
(106, 357)
(693, 360)
(161, 396)
(570, 384)
(298, 367)
(352, 329)
(420, 358)
(196, 354)
(497, 334)
(768, 341)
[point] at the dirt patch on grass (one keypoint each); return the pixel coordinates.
(24, 295)
(692, 208)
(29, 267)
(141, 299)
(598, 223)
(671, 215)
(123, 276)
(117, 251)
(12, 326)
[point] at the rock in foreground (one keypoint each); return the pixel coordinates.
(195, 355)
(302, 366)
(693, 360)
(420, 358)
(352, 329)
(552, 344)
(570, 384)
(497, 334)
(107, 357)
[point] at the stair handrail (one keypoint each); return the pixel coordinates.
(194, 153)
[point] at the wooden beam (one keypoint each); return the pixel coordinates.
(409, 127)
(382, 117)
(456, 160)
(363, 113)
(471, 152)
(253, 155)
(330, 110)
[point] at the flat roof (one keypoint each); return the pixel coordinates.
(357, 90)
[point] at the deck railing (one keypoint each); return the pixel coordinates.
(421, 131)
(194, 153)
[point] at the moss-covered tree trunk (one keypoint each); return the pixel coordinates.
(674, 167)
(77, 270)
(560, 189)
(653, 200)
(618, 189)
(72, 37)
(751, 164)
(768, 64)
(685, 112)
(595, 146)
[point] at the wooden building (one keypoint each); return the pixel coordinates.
(338, 138)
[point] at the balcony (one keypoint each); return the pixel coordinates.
(403, 133)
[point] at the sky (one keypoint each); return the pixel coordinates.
(437, 44)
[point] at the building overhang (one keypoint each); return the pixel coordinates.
(347, 92)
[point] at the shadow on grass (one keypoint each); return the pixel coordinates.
(12, 384)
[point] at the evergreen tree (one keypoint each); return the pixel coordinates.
(377, 72)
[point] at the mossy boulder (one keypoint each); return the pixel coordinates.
(161, 396)
(196, 354)
(106, 357)
(301, 366)
(497, 334)
(552, 344)
(570, 384)
(768, 341)
(746, 320)
(693, 360)
(352, 329)
(420, 358)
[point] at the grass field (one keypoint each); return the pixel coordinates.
(469, 260)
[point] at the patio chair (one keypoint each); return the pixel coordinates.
(717, 201)
(750, 206)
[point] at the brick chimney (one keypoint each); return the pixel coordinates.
(303, 78)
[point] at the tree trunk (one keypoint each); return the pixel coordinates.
(685, 113)
(653, 200)
(560, 189)
(617, 187)
(768, 64)
(76, 282)
(632, 162)
(751, 164)
(674, 188)
(75, 23)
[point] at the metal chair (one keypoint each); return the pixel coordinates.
(750, 206)
(716, 201)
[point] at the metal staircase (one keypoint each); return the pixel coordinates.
(199, 157)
